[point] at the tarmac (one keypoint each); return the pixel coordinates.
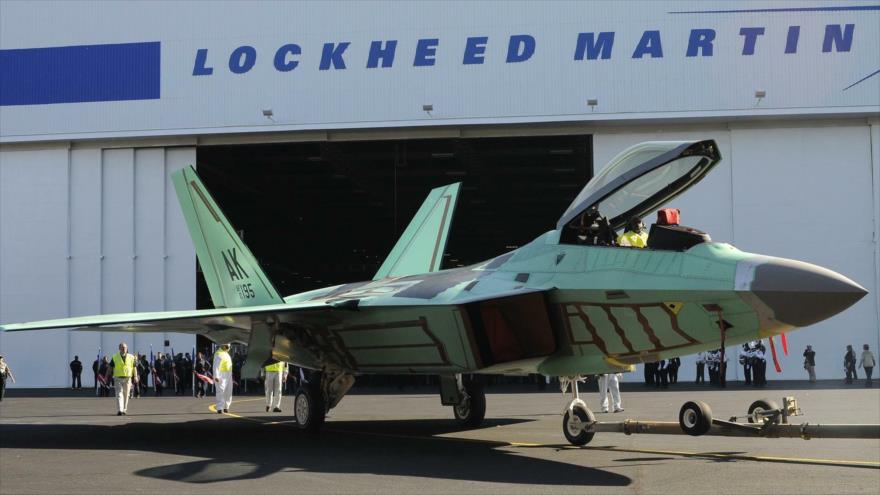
(59, 442)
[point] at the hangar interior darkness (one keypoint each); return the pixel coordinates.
(320, 214)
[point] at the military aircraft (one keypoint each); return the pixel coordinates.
(571, 302)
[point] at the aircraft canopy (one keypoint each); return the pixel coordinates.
(643, 178)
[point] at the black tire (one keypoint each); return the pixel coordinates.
(760, 406)
(572, 429)
(309, 410)
(471, 412)
(695, 418)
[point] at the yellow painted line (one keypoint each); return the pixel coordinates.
(793, 460)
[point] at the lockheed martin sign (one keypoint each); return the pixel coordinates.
(193, 67)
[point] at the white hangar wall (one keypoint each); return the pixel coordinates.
(86, 228)
(807, 191)
(86, 231)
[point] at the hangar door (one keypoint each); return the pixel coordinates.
(320, 214)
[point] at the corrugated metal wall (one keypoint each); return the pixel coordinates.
(86, 231)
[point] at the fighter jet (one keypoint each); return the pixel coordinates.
(570, 303)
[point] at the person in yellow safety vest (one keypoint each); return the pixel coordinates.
(276, 375)
(124, 376)
(223, 378)
(634, 235)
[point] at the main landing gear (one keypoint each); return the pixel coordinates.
(321, 392)
(466, 396)
(577, 419)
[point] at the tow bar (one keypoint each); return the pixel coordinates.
(764, 419)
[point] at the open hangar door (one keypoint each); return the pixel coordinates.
(326, 213)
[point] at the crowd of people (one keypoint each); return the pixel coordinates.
(130, 376)
(753, 359)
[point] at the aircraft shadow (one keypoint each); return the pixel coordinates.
(243, 450)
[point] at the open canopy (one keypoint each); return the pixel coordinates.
(643, 178)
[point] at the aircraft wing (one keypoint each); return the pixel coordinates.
(221, 325)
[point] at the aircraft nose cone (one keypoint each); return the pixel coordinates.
(798, 293)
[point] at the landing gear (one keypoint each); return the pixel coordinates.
(315, 397)
(309, 409)
(472, 408)
(577, 419)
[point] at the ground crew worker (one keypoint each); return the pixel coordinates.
(635, 235)
(123, 377)
(276, 375)
(610, 383)
(223, 378)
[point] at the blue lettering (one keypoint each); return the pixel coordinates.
(649, 45)
(425, 51)
(520, 48)
(700, 41)
(593, 46)
(751, 37)
(199, 68)
(842, 41)
(282, 64)
(791, 40)
(474, 49)
(385, 54)
(332, 55)
(242, 59)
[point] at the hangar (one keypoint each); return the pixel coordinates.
(321, 155)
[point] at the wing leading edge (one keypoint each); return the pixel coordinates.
(221, 325)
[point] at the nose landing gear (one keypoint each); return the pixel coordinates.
(577, 419)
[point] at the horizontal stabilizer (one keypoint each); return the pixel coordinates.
(420, 247)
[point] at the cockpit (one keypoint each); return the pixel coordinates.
(634, 185)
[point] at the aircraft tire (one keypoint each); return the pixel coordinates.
(758, 407)
(309, 410)
(471, 412)
(572, 427)
(695, 418)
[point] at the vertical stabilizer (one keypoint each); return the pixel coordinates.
(233, 275)
(420, 247)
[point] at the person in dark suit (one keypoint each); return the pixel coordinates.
(76, 369)
(201, 366)
(661, 377)
(674, 364)
(849, 364)
(95, 367)
(650, 371)
(159, 374)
